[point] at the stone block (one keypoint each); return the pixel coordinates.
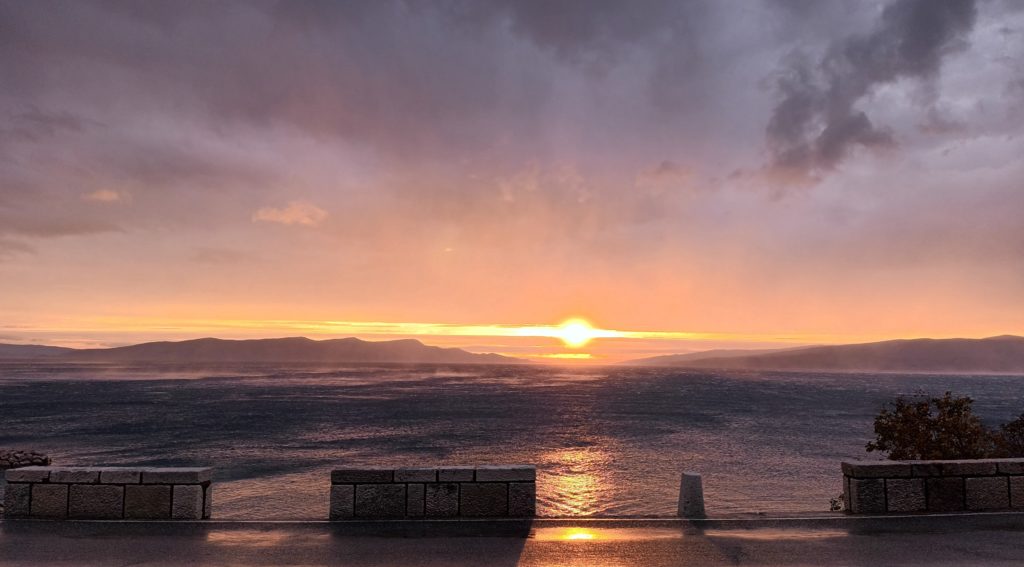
(96, 502)
(343, 500)
(1011, 466)
(28, 474)
(441, 500)
(117, 475)
(506, 473)
(380, 501)
(867, 496)
(483, 499)
(926, 468)
(456, 474)
(416, 505)
(147, 502)
(905, 494)
(75, 475)
(17, 498)
(945, 494)
(876, 469)
(177, 475)
(987, 493)
(187, 502)
(49, 501)
(522, 499)
(975, 467)
(354, 476)
(207, 501)
(416, 475)
(1017, 492)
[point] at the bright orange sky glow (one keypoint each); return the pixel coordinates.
(574, 340)
(712, 175)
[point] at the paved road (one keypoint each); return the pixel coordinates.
(974, 540)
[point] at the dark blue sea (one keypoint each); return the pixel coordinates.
(607, 441)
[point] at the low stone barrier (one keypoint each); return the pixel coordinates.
(879, 487)
(443, 492)
(108, 493)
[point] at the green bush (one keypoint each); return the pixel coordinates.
(1011, 438)
(937, 428)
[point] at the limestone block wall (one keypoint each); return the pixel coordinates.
(879, 487)
(109, 493)
(508, 491)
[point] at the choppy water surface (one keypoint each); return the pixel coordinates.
(607, 441)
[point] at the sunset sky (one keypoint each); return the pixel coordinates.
(682, 175)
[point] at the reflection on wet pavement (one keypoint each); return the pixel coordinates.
(604, 534)
(776, 534)
(260, 538)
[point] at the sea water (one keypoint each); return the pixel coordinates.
(606, 441)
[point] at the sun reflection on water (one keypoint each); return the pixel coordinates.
(574, 486)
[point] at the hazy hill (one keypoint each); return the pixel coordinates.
(683, 359)
(295, 349)
(28, 352)
(1004, 354)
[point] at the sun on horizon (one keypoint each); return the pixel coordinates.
(576, 333)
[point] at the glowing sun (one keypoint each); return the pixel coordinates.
(576, 333)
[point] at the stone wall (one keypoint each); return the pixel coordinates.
(426, 493)
(108, 493)
(879, 487)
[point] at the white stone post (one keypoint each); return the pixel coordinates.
(691, 496)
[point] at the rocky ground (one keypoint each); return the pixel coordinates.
(12, 459)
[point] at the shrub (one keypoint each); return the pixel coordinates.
(1010, 440)
(934, 428)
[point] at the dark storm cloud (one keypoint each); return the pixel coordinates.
(406, 76)
(129, 97)
(469, 84)
(816, 122)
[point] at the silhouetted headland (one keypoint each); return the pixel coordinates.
(1003, 354)
(292, 349)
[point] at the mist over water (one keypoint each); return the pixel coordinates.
(607, 441)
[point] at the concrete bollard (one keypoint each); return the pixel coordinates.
(691, 496)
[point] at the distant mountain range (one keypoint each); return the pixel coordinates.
(293, 349)
(1004, 354)
(31, 352)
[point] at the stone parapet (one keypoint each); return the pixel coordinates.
(108, 493)
(882, 487)
(503, 491)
